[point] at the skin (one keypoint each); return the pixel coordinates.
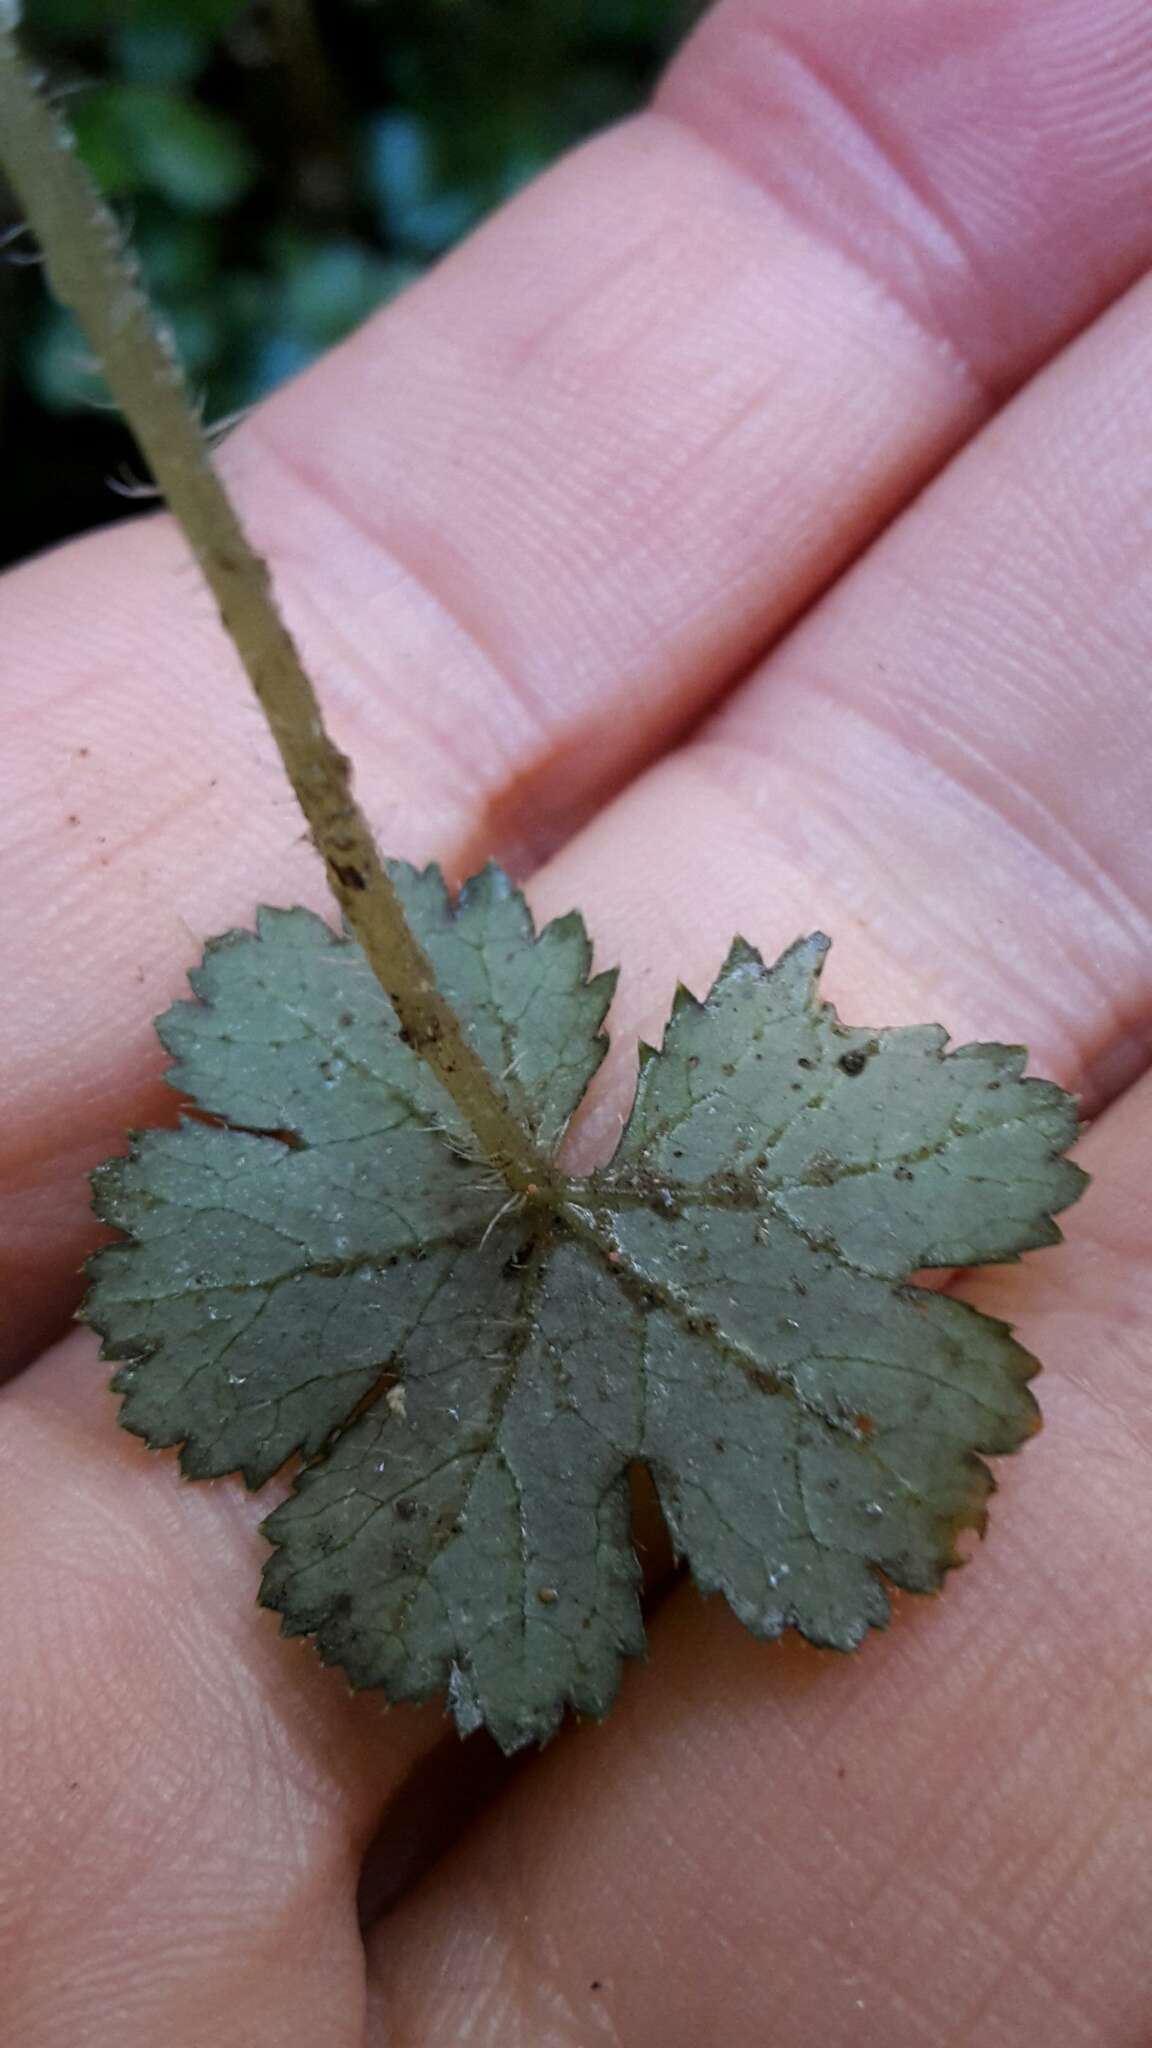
(851, 330)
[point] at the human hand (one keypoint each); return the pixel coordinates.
(541, 529)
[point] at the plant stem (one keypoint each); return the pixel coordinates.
(91, 273)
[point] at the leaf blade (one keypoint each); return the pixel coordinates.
(327, 1269)
(496, 1566)
(900, 1153)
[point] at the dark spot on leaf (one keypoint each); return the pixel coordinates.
(903, 1173)
(852, 1062)
(406, 1508)
(804, 1061)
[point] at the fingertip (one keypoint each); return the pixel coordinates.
(989, 161)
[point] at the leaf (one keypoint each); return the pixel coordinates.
(135, 137)
(326, 1270)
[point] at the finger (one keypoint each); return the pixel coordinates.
(185, 1799)
(942, 134)
(941, 1839)
(945, 766)
(530, 520)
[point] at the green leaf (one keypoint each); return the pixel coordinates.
(326, 1269)
(159, 51)
(137, 137)
(328, 286)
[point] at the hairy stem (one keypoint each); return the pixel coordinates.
(92, 274)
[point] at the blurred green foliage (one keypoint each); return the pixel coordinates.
(284, 168)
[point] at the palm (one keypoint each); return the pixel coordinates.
(532, 526)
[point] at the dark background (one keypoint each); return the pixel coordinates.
(283, 168)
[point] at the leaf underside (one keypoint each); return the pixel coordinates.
(326, 1270)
